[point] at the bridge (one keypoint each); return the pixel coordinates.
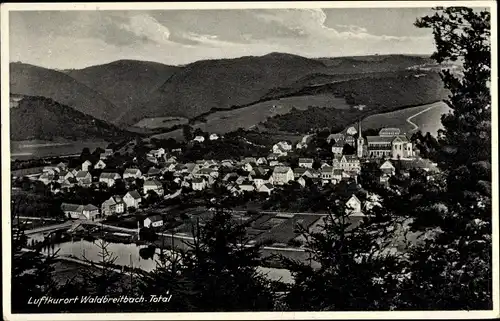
(49, 228)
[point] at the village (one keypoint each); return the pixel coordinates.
(168, 196)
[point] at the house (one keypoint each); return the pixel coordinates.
(248, 167)
(353, 206)
(330, 174)
(199, 139)
(152, 159)
(301, 180)
(387, 168)
(75, 211)
(350, 140)
(266, 188)
(262, 179)
(153, 172)
(349, 163)
(299, 172)
(114, 205)
(86, 165)
(351, 131)
(132, 173)
(153, 221)
(109, 178)
(65, 176)
(46, 178)
(272, 156)
(153, 185)
(335, 138)
(274, 163)
(51, 170)
(83, 178)
(282, 175)
(68, 183)
(132, 199)
(108, 152)
(198, 184)
(213, 136)
(62, 166)
(282, 148)
(207, 172)
(337, 148)
(261, 161)
(306, 162)
(158, 153)
(304, 142)
(230, 176)
(389, 132)
(227, 163)
(247, 186)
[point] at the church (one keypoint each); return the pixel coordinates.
(389, 143)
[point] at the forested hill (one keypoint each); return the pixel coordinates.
(44, 119)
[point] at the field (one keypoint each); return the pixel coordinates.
(24, 150)
(161, 122)
(425, 117)
(222, 122)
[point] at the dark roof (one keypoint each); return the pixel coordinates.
(135, 194)
(109, 175)
(198, 180)
(155, 218)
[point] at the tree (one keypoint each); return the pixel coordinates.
(187, 132)
(222, 267)
(85, 155)
(348, 150)
(452, 270)
(349, 268)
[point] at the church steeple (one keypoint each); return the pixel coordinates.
(360, 141)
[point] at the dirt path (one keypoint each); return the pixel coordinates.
(415, 126)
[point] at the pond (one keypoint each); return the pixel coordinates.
(128, 255)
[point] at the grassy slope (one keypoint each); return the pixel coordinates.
(32, 80)
(44, 119)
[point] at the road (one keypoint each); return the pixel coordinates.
(415, 126)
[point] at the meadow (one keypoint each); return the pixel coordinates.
(427, 118)
(161, 122)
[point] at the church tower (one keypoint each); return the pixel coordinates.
(360, 141)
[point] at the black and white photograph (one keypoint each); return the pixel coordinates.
(302, 159)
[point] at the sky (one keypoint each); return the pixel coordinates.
(77, 39)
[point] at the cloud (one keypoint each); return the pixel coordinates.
(55, 39)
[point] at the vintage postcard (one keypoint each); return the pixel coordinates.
(274, 160)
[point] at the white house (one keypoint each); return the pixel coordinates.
(76, 211)
(247, 186)
(214, 136)
(199, 139)
(86, 165)
(282, 148)
(132, 173)
(114, 205)
(100, 165)
(337, 148)
(153, 185)
(198, 184)
(282, 175)
(350, 163)
(153, 221)
(83, 178)
(306, 162)
(387, 168)
(353, 206)
(261, 161)
(132, 199)
(266, 188)
(109, 178)
(107, 153)
(46, 178)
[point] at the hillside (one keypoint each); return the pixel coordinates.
(44, 119)
(375, 63)
(125, 83)
(378, 94)
(208, 84)
(32, 80)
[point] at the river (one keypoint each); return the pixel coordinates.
(128, 255)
